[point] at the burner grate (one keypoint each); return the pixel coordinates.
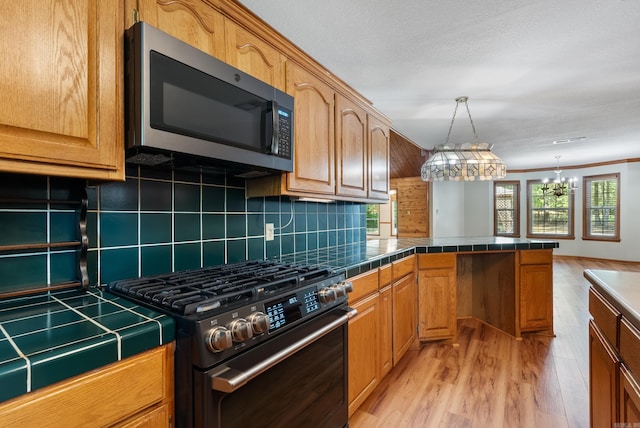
(218, 287)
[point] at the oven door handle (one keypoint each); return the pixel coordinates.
(229, 379)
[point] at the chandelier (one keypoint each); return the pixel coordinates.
(558, 186)
(463, 162)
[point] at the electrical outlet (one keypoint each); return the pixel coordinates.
(268, 232)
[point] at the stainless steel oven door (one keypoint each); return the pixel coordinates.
(297, 379)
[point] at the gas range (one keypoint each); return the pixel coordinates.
(226, 309)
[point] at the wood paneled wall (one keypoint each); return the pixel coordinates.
(413, 206)
(405, 157)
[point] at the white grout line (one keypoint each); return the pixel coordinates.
(19, 352)
(132, 311)
(97, 324)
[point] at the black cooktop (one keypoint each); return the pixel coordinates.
(217, 288)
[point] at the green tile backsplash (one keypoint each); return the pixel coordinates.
(158, 221)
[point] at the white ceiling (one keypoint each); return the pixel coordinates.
(535, 71)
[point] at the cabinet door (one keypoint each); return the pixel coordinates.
(193, 21)
(351, 149)
(603, 368)
(536, 297)
(314, 164)
(363, 351)
(253, 56)
(386, 331)
(378, 159)
(404, 316)
(61, 83)
(629, 399)
(437, 304)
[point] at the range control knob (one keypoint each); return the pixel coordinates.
(260, 322)
(347, 285)
(218, 339)
(240, 330)
(326, 295)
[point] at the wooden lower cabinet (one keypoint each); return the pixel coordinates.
(384, 327)
(536, 290)
(437, 297)
(364, 371)
(404, 315)
(385, 322)
(135, 392)
(603, 386)
(629, 399)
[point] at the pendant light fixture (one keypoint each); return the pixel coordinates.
(463, 162)
(560, 186)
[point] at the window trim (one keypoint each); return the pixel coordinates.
(571, 229)
(366, 220)
(516, 215)
(585, 209)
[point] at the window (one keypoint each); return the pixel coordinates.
(506, 208)
(373, 219)
(548, 216)
(601, 207)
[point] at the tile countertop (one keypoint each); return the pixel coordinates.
(621, 289)
(358, 258)
(51, 337)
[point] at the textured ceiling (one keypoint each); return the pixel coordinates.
(535, 71)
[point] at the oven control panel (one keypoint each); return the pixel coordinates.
(229, 333)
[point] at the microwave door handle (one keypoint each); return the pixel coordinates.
(275, 128)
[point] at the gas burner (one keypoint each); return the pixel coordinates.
(218, 287)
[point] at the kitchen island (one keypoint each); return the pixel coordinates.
(614, 347)
(504, 282)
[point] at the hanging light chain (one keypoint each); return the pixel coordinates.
(473, 126)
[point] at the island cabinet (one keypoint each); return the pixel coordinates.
(603, 361)
(536, 290)
(384, 328)
(629, 373)
(61, 83)
(614, 347)
(135, 392)
(437, 296)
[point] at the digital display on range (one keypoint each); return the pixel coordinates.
(283, 311)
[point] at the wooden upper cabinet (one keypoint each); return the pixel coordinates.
(61, 83)
(195, 22)
(314, 164)
(378, 159)
(351, 148)
(253, 56)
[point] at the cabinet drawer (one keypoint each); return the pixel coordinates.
(403, 267)
(386, 275)
(630, 347)
(436, 260)
(363, 285)
(536, 257)
(605, 316)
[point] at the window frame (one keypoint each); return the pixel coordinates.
(571, 217)
(367, 219)
(516, 209)
(586, 207)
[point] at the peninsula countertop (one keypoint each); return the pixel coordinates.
(361, 257)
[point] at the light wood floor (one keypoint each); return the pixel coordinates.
(492, 380)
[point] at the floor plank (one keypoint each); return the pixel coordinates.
(492, 380)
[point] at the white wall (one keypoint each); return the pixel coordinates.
(466, 209)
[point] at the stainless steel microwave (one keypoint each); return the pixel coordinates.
(185, 107)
